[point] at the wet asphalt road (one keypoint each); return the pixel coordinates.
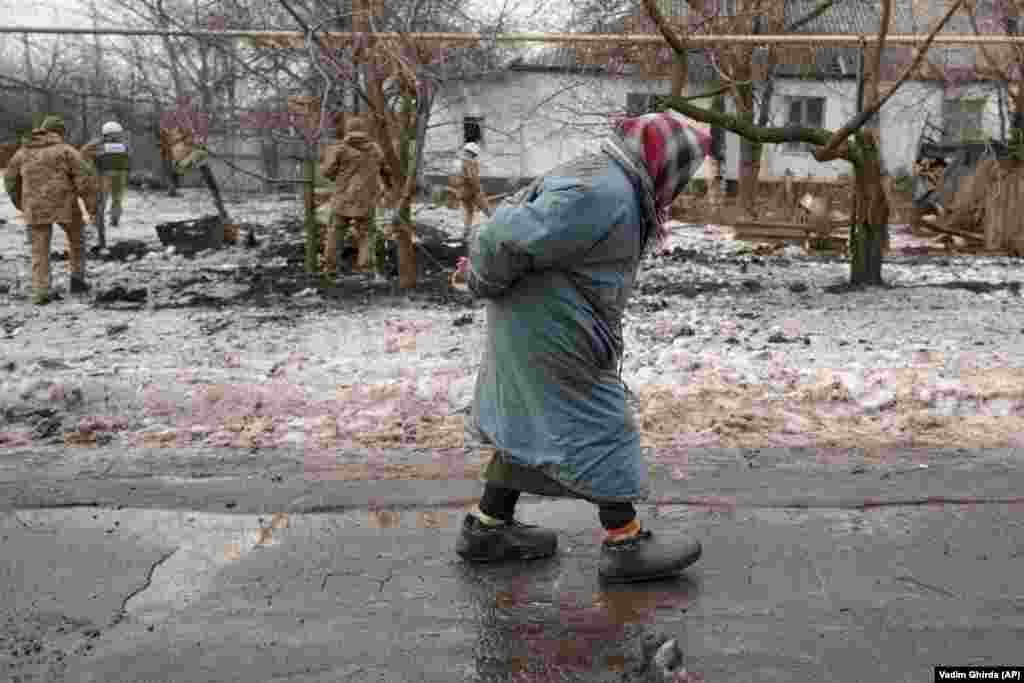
(815, 568)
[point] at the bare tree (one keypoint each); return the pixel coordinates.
(856, 142)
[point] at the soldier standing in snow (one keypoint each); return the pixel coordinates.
(44, 179)
(557, 268)
(467, 186)
(357, 167)
(181, 152)
(112, 157)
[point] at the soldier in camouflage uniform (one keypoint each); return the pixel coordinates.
(111, 155)
(180, 150)
(44, 180)
(467, 186)
(357, 167)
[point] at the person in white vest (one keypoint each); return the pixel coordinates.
(111, 155)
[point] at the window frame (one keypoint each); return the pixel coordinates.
(647, 103)
(478, 122)
(801, 148)
(956, 112)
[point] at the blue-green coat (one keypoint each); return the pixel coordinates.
(558, 268)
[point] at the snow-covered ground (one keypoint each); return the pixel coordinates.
(712, 317)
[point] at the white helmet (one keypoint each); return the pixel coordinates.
(111, 128)
(470, 150)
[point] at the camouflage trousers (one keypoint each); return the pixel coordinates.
(42, 235)
(359, 228)
(112, 186)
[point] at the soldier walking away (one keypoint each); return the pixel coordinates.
(179, 149)
(112, 157)
(356, 166)
(557, 267)
(44, 180)
(468, 187)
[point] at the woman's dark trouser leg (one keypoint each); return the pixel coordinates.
(499, 502)
(616, 515)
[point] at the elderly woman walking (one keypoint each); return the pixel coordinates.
(558, 267)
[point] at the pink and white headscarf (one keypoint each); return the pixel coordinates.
(665, 152)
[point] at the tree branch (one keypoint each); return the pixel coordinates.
(828, 152)
(810, 16)
(748, 131)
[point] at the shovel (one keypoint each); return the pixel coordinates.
(85, 213)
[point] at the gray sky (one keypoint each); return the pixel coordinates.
(75, 13)
(69, 13)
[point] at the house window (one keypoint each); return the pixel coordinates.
(961, 119)
(808, 112)
(640, 103)
(726, 8)
(473, 129)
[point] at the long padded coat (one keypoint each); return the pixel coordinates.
(558, 268)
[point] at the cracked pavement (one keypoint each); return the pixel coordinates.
(815, 568)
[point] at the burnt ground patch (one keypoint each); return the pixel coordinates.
(976, 286)
(265, 285)
(692, 288)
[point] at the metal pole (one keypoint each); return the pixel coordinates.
(298, 37)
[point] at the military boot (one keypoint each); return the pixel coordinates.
(644, 557)
(513, 540)
(79, 285)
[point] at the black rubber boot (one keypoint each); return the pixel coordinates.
(645, 557)
(507, 541)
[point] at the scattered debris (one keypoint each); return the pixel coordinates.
(119, 294)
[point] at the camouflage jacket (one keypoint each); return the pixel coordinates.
(46, 177)
(357, 167)
(176, 143)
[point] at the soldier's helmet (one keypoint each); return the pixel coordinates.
(357, 125)
(54, 123)
(111, 128)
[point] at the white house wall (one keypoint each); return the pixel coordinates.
(533, 121)
(902, 119)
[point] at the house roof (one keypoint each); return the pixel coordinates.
(844, 17)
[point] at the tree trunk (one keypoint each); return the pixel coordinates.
(750, 155)
(750, 172)
(423, 107)
(871, 220)
(312, 229)
(717, 169)
(406, 248)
